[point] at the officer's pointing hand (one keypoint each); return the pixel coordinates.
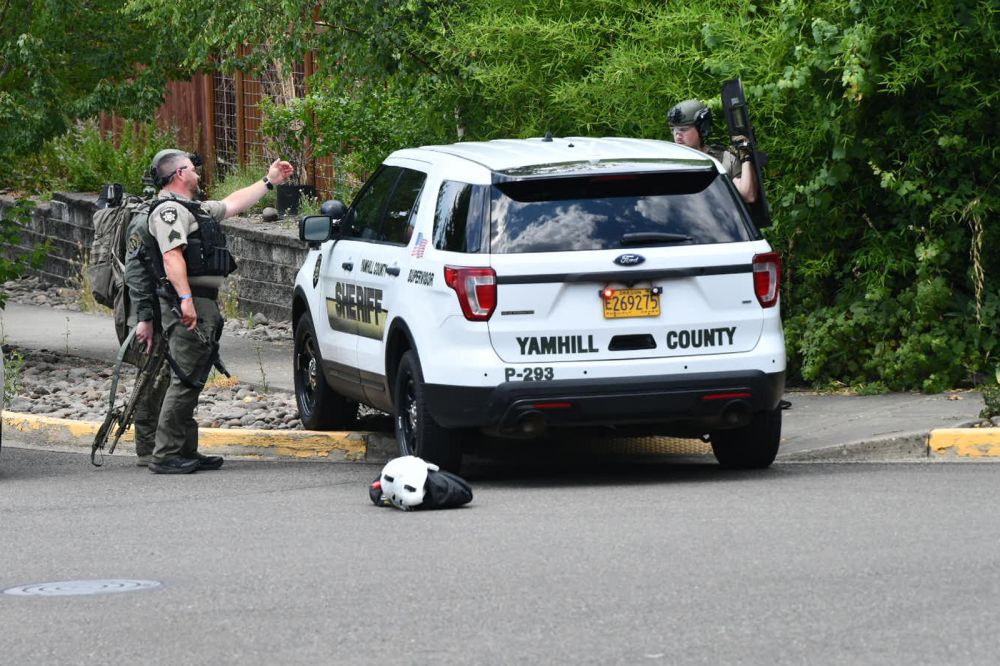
(279, 171)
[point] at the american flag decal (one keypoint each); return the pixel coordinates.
(419, 246)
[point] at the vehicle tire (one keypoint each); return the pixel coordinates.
(417, 433)
(753, 446)
(320, 408)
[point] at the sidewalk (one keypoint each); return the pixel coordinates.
(816, 427)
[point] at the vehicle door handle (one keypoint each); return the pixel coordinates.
(347, 266)
(392, 270)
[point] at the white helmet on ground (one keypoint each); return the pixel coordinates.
(404, 481)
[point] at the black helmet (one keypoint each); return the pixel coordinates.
(692, 112)
(333, 209)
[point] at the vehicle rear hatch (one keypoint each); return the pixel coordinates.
(564, 248)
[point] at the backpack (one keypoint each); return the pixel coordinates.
(106, 269)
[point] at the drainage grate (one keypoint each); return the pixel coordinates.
(71, 588)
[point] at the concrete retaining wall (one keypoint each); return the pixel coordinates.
(268, 254)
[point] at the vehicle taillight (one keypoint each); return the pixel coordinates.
(767, 278)
(476, 289)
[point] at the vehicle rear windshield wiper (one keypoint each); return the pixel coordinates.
(653, 237)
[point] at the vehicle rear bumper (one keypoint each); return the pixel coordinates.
(697, 402)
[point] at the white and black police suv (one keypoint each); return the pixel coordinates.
(518, 285)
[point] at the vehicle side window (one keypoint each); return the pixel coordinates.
(458, 220)
(402, 208)
(365, 217)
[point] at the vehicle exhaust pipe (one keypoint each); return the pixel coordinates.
(532, 423)
(737, 413)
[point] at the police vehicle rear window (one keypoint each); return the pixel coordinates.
(615, 211)
(458, 218)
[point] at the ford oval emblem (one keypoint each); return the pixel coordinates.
(629, 259)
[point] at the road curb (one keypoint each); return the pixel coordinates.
(964, 443)
(48, 432)
(897, 446)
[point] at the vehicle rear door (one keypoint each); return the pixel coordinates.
(602, 268)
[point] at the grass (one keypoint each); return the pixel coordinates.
(309, 206)
(237, 179)
(219, 380)
(229, 300)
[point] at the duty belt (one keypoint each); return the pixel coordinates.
(205, 292)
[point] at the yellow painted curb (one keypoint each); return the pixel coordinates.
(964, 443)
(299, 444)
(48, 426)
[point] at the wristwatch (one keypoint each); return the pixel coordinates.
(267, 183)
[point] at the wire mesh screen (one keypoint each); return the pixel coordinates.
(224, 114)
(239, 138)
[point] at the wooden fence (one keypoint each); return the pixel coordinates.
(218, 116)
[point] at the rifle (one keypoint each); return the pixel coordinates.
(119, 418)
(734, 107)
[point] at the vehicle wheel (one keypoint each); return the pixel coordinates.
(753, 446)
(416, 431)
(320, 408)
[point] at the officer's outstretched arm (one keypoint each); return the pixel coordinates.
(240, 200)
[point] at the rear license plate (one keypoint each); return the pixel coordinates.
(620, 303)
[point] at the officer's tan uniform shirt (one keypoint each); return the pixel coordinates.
(171, 224)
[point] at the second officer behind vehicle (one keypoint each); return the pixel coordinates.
(195, 261)
(691, 124)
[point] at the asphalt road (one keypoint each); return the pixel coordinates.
(601, 562)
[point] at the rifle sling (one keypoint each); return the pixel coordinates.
(118, 367)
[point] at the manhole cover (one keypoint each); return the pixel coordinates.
(69, 588)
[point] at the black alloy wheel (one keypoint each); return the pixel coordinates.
(417, 433)
(320, 408)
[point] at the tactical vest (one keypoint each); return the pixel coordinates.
(206, 252)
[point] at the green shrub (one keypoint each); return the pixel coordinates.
(13, 366)
(84, 158)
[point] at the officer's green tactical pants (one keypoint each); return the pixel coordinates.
(177, 431)
(147, 410)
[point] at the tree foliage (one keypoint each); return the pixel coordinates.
(60, 61)
(879, 118)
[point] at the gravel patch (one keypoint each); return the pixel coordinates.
(53, 383)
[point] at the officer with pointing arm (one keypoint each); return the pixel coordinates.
(195, 261)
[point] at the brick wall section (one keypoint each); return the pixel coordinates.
(268, 254)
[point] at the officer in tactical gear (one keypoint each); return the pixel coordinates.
(190, 261)
(691, 124)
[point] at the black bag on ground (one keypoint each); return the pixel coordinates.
(445, 490)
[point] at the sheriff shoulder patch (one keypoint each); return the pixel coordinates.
(168, 215)
(134, 243)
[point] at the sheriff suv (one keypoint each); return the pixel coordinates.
(515, 286)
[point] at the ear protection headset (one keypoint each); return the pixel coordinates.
(154, 169)
(703, 121)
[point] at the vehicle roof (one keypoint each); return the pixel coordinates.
(509, 155)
